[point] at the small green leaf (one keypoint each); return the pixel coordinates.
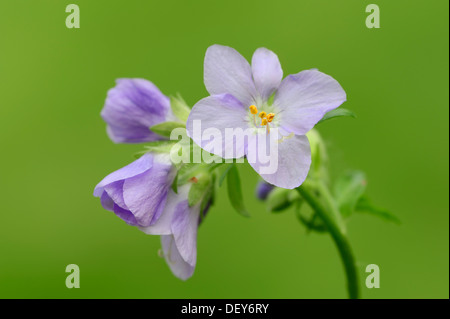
(235, 192)
(199, 189)
(214, 166)
(337, 113)
(179, 108)
(364, 205)
(224, 173)
(165, 128)
(348, 189)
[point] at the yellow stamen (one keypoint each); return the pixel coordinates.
(264, 122)
(253, 109)
(270, 117)
(291, 135)
(262, 114)
(193, 180)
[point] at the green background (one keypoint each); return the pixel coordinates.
(54, 150)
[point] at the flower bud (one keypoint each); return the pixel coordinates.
(263, 189)
(280, 199)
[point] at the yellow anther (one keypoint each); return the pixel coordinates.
(264, 122)
(270, 117)
(193, 180)
(253, 109)
(262, 114)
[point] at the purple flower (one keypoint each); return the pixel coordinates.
(140, 194)
(137, 193)
(178, 229)
(131, 108)
(240, 100)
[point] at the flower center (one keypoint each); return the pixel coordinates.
(265, 118)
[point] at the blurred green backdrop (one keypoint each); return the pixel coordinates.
(54, 149)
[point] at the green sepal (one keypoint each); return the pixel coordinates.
(337, 113)
(179, 108)
(319, 156)
(235, 191)
(209, 196)
(156, 147)
(166, 128)
(199, 188)
(160, 146)
(186, 172)
(175, 184)
(189, 170)
(347, 191)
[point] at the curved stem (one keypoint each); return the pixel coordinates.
(331, 217)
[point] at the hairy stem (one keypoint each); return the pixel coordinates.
(332, 219)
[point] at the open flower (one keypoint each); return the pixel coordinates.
(137, 193)
(178, 229)
(140, 194)
(133, 106)
(240, 98)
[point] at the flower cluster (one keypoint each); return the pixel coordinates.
(239, 91)
(141, 193)
(169, 199)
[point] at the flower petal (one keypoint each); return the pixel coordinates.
(115, 192)
(164, 223)
(137, 167)
(286, 165)
(107, 202)
(267, 72)
(305, 97)
(209, 121)
(125, 215)
(145, 194)
(184, 229)
(179, 267)
(226, 71)
(131, 107)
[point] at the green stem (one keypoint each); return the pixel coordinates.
(332, 219)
